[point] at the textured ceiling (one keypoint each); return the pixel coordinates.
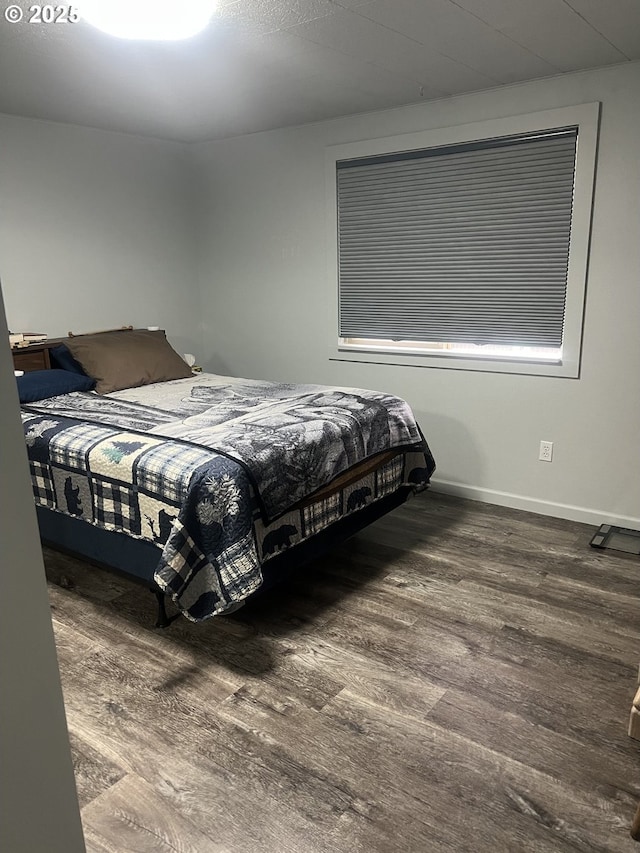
(263, 64)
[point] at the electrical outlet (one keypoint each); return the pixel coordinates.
(546, 451)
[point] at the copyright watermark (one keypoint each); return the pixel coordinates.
(47, 14)
(13, 14)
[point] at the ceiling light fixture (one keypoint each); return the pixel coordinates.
(152, 20)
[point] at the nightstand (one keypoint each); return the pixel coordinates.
(32, 357)
(35, 356)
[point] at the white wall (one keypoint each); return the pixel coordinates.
(263, 281)
(223, 244)
(96, 231)
(38, 806)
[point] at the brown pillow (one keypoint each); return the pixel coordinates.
(127, 359)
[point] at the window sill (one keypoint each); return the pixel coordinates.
(567, 369)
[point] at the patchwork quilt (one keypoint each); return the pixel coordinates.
(220, 474)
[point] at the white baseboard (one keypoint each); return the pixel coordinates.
(557, 510)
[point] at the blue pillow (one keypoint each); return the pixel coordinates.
(40, 384)
(61, 358)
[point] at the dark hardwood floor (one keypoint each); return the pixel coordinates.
(458, 677)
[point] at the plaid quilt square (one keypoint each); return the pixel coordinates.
(318, 515)
(116, 506)
(389, 478)
(166, 469)
(69, 448)
(42, 482)
(182, 560)
(239, 568)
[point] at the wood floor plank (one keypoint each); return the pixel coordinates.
(378, 788)
(112, 823)
(71, 645)
(181, 745)
(591, 599)
(544, 813)
(458, 677)
(586, 767)
(372, 681)
(430, 563)
(514, 539)
(616, 641)
(94, 772)
(543, 690)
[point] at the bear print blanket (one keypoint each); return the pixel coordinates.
(196, 473)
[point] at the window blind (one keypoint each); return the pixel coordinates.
(466, 243)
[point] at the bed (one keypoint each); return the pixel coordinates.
(207, 488)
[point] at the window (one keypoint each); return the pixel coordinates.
(468, 251)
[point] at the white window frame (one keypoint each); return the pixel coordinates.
(586, 118)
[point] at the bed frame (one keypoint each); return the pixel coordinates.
(137, 559)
